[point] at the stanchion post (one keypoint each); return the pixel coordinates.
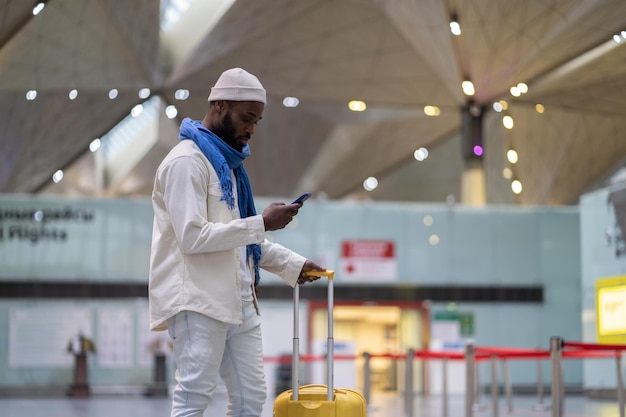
(494, 386)
(295, 374)
(408, 384)
(444, 390)
(507, 385)
(367, 376)
(469, 379)
(556, 356)
(539, 406)
(620, 383)
(477, 393)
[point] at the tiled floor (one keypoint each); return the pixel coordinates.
(382, 405)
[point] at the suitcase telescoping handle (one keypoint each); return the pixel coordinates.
(296, 335)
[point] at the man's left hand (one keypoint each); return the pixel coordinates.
(309, 266)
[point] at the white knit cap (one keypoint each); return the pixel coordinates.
(237, 84)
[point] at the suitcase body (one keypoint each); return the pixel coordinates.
(318, 400)
(313, 402)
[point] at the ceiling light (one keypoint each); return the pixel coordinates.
(171, 111)
(507, 121)
(468, 88)
(428, 220)
(433, 240)
(497, 106)
(617, 38)
(144, 93)
(504, 104)
(73, 94)
(357, 105)
(516, 186)
(523, 88)
(512, 156)
(455, 28)
(507, 173)
(478, 150)
(38, 8)
(113, 93)
(291, 102)
(539, 108)
(31, 95)
(420, 154)
(370, 184)
(431, 110)
(515, 91)
(181, 94)
(57, 176)
(95, 144)
(137, 110)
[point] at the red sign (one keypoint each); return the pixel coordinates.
(367, 249)
(368, 260)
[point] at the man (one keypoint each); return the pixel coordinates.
(208, 244)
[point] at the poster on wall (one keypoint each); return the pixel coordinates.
(368, 260)
(39, 337)
(149, 343)
(115, 338)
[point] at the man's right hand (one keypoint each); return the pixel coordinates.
(278, 215)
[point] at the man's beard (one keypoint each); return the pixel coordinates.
(226, 131)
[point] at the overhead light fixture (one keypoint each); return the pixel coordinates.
(468, 88)
(73, 94)
(516, 186)
(431, 111)
(171, 111)
(511, 155)
(137, 110)
(357, 105)
(181, 94)
(455, 26)
(370, 183)
(144, 93)
(507, 121)
(57, 176)
(539, 107)
(38, 8)
(420, 154)
(291, 102)
(95, 144)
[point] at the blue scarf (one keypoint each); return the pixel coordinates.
(224, 158)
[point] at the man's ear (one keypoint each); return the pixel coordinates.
(220, 105)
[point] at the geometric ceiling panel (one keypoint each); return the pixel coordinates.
(397, 56)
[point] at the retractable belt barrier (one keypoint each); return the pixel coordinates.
(559, 350)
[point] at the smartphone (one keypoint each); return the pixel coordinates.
(302, 198)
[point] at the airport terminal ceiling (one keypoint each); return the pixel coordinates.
(71, 73)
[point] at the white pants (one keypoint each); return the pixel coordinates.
(205, 347)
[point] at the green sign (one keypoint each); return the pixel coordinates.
(466, 323)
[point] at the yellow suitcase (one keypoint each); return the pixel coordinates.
(317, 400)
